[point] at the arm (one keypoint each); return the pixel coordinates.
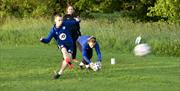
(97, 48)
(84, 54)
(48, 39)
(78, 29)
(78, 25)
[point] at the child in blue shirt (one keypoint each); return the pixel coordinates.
(86, 45)
(60, 32)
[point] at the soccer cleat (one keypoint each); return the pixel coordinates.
(56, 75)
(87, 66)
(81, 65)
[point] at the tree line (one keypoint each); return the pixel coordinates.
(142, 9)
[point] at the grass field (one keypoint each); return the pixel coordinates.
(27, 65)
(29, 68)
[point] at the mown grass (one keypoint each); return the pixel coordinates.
(27, 65)
(29, 68)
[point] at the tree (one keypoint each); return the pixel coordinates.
(166, 8)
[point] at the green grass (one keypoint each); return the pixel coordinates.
(112, 32)
(29, 68)
(27, 65)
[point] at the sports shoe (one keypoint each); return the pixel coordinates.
(56, 75)
(81, 65)
(87, 66)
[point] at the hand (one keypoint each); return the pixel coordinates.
(91, 65)
(41, 39)
(77, 18)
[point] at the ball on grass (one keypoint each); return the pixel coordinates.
(142, 50)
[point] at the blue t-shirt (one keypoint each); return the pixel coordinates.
(61, 35)
(83, 41)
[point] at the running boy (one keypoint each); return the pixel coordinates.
(60, 32)
(86, 45)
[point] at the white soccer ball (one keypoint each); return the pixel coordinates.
(98, 65)
(142, 49)
(95, 67)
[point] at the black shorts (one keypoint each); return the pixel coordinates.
(68, 47)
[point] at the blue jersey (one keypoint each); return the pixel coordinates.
(61, 35)
(75, 29)
(83, 41)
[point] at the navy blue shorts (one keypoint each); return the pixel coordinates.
(69, 47)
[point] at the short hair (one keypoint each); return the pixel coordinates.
(57, 15)
(92, 39)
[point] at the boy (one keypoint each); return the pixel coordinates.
(86, 45)
(60, 32)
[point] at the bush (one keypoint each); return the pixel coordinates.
(119, 34)
(166, 8)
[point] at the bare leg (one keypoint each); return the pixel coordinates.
(66, 57)
(63, 66)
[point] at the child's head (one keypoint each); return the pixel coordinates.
(58, 20)
(70, 9)
(91, 41)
